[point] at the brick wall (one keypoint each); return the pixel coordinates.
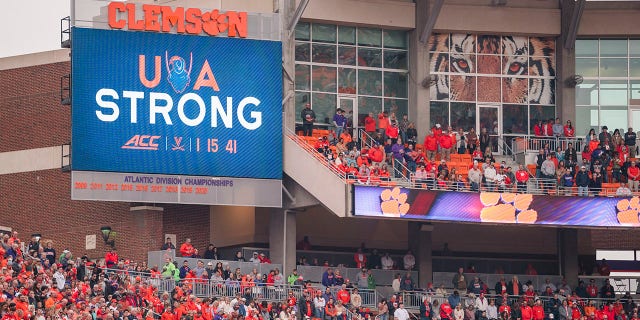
(31, 115)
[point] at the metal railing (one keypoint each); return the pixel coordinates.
(537, 186)
(400, 172)
(533, 144)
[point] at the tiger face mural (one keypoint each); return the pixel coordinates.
(486, 68)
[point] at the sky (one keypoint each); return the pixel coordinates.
(32, 26)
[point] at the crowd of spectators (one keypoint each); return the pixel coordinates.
(391, 150)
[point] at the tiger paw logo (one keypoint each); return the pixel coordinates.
(628, 210)
(507, 208)
(394, 203)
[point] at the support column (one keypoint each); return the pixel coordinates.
(282, 239)
(421, 245)
(568, 255)
(147, 226)
(419, 71)
(566, 68)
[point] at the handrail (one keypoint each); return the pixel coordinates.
(404, 172)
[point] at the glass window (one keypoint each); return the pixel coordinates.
(324, 79)
(369, 37)
(634, 48)
(395, 84)
(303, 77)
(543, 113)
(302, 51)
(614, 117)
(436, 90)
(613, 93)
(439, 114)
(302, 98)
(370, 57)
(369, 104)
(635, 89)
(613, 47)
(397, 106)
(347, 55)
(370, 82)
(586, 119)
(323, 33)
(587, 93)
(394, 59)
(463, 115)
(586, 48)
(395, 39)
(634, 67)
(347, 80)
(346, 35)
(613, 67)
(324, 105)
(514, 119)
(587, 67)
(302, 31)
(323, 53)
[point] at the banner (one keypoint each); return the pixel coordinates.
(145, 102)
(493, 207)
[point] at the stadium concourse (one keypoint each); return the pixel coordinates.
(447, 160)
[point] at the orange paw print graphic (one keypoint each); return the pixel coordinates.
(507, 208)
(628, 211)
(394, 203)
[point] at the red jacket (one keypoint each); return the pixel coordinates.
(538, 313)
(431, 143)
(527, 313)
(186, 249)
(549, 129)
(569, 132)
(445, 311)
(537, 130)
(445, 141)
(392, 132)
(436, 131)
(111, 259)
(369, 124)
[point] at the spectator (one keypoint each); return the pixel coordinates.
(387, 262)
(630, 142)
(374, 260)
(50, 252)
(411, 135)
(446, 145)
(458, 312)
(407, 283)
(409, 261)
(633, 174)
(522, 176)
(187, 249)
(111, 258)
(490, 175)
(566, 181)
(319, 304)
(569, 130)
(304, 244)
(475, 177)
(603, 268)
(212, 253)
(360, 259)
(548, 128)
(369, 124)
(339, 122)
(558, 129)
(168, 245)
(446, 312)
(328, 279)
(356, 299)
(582, 181)
(604, 135)
(426, 309)
(607, 291)
(398, 158)
(530, 270)
(623, 190)
(383, 122)
(431, 146)
(239, 257)
(596, 181)
(392, 132)
(255, 257)
(461, 141)
(308, 117)
(185, 269)
(459, 281)
(401, 313)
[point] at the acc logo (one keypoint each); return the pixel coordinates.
(393, 203)
(503, 208)
(142, 142)
(179, 76)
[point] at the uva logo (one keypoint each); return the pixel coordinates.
(179, 77)
(189, 108)
(178, 73)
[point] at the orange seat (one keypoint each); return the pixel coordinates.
(456, 158)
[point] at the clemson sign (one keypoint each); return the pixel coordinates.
(165, 19)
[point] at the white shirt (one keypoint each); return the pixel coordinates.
(387, 262)
(60, 279)
(401, 314)
(409, 261)
(395, 284)
(482, 304)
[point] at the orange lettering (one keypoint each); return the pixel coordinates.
(172, 18)
(209, 81)
(151, 17)
(142, 72)
(133, 23)
(237, 22)
(114, 8)
(194, 21)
